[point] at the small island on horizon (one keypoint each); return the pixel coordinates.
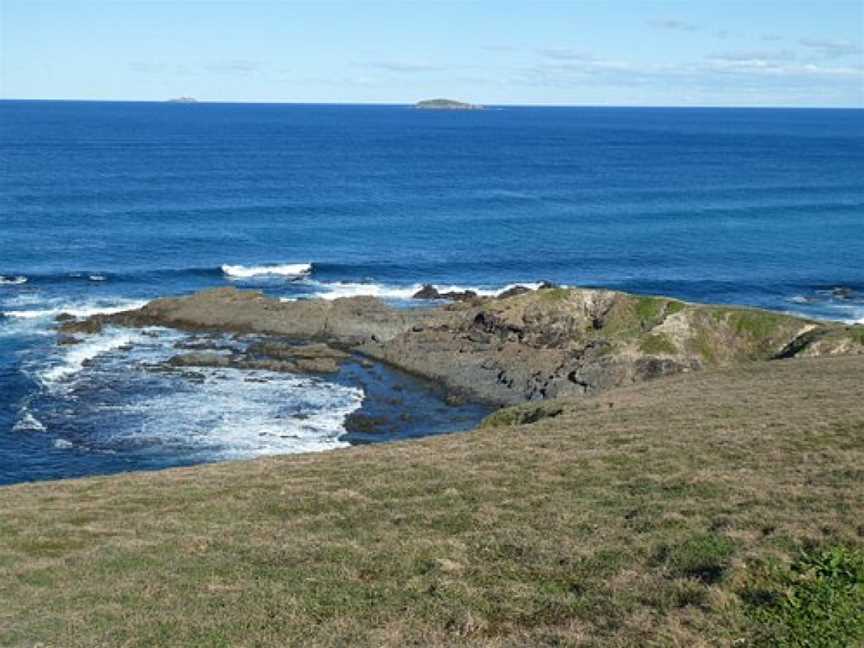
(183, 99)
(446, 104)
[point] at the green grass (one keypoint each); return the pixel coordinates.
(670, 513)
(817, 601)
(657, 344)
(554, 294)
(673, 306)
(857, 334)
(704, 557)
(760, 325)
(649, 309)
(521, 415)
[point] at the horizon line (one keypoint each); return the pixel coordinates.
(412, 103)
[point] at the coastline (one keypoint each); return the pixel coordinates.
(620, 516)
(229, 374)
(526, 345)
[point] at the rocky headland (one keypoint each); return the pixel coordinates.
(525, 345)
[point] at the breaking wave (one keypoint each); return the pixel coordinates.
(337, 290)
(12, 281)
(290, 270)
(78, 356)
(77, 309)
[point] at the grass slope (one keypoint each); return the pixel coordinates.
(666, 513)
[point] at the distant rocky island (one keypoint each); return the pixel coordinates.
(446, 104)
(183, 100)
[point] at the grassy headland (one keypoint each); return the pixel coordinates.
(721, 507)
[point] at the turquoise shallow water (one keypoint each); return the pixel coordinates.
(103, 205)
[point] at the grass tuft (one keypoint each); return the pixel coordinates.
(554, 294)
(657, 344)
(702, 557)
(817, 601)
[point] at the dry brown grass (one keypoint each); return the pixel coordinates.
(635, 518)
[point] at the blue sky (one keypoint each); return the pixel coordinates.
(713, 53)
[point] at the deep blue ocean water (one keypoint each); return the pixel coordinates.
(103, 205)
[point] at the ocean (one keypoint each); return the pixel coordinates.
(105, 205)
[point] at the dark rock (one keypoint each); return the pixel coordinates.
(842, 292)
(522, 415)
(281, 350)
(200, 359)
(87, 327)
(278, 366)
(464, 295)
(64, 317)
(428, 291)
(68, 340)
(455, 398)
(316, 365)
(250, 363)
(514, 292)
(198, 344)
(547, 285)
(648, 368)
(305, 358)
(365, 424)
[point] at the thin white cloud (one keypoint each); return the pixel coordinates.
(787, 69)
(402, 67)
(675, 24)
(565, 55)
(754, 55)
(742, 67)
(831, 48)
(233, 67)
(164, 69)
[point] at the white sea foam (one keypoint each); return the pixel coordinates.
(292, 270)
(219, 414)
(237, 414)
(74, 357)
(76, 309)
(486, 292)
(12, 281)
(352, 289)
(97, 277)
(28, 423)
(63, 444)
(389, 291)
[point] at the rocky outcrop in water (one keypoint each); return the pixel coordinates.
(271, 355)
(428, 291)
(530, 345)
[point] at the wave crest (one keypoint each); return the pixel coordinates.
(291, 270)
(80, 310)
(327, 290)
(12, 281)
